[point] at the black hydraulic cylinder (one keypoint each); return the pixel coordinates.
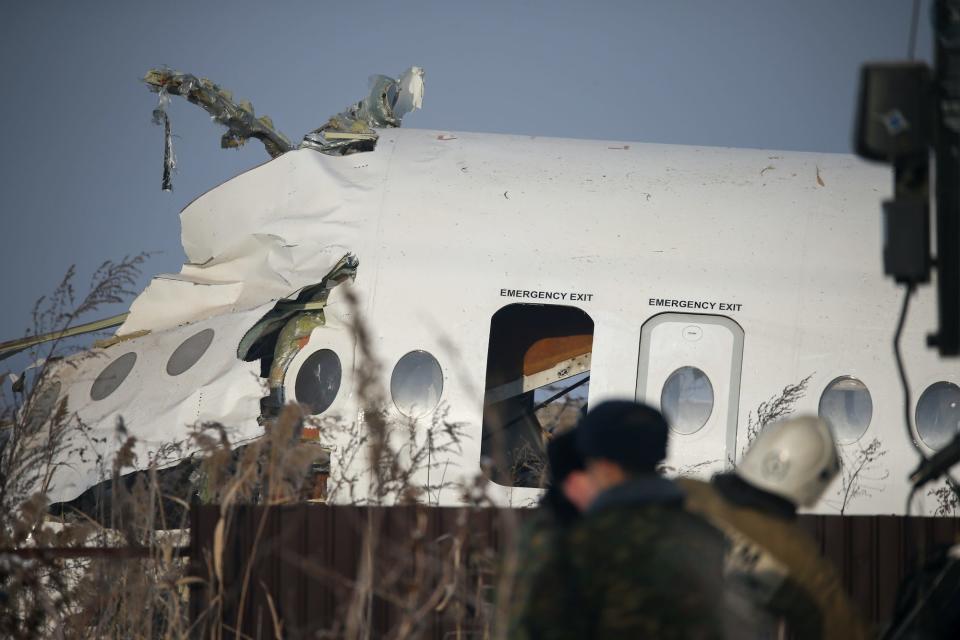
(947, 153)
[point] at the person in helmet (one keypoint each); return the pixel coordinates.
(542, 602)
(643, 567)
(774, 571)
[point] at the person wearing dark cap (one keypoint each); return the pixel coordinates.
(642, 565)
(543, 599)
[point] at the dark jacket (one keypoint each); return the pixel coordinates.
(773, 566)
(645, 568)
(543, 596)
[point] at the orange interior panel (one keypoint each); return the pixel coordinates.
(548, 352)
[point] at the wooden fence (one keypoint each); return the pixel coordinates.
(432, 571)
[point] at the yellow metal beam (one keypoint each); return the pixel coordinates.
(12, 347)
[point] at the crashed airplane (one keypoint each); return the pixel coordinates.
(503, 274)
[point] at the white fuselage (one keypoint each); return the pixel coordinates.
(449, 228)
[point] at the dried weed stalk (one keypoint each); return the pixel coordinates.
(48, 595)
(406, 463)
(947, 501)
(774, 408)
(378, 461)
(860, 474)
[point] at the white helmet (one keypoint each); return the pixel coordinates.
(795, 459)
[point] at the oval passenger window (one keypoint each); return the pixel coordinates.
(416, 384)
(318, 381)
(687, 400)
(189, 352)
(938, 414)
(113, 376)
(847, 407)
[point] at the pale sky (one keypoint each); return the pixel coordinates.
(81, 161)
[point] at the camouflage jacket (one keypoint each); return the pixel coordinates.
(543, 594)
(776, 569)
(645, 568)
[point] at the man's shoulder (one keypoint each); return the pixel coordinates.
(656, 569)
(628, 515)
(756, 534)
(633, 523)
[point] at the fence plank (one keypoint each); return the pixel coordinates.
(309, 555)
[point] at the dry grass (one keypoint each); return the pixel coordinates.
(76, 598)
(775, 408)
(860, 473)
(380, 462)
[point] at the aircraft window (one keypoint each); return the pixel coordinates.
(113, 376)
(847, 407)
(416, 384)
(43, 405)
(318, 380)
(938, 414)
(189, 352)
(687, 400)
(538, 375)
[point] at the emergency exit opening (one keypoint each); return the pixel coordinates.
(690, 368)
(537, 381)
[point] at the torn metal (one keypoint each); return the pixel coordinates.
(160, 117)
(239, 118)
(288, 327)
(255, 344)
(349, 131)
(353, 129)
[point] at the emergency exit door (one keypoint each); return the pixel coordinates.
(690, 366)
